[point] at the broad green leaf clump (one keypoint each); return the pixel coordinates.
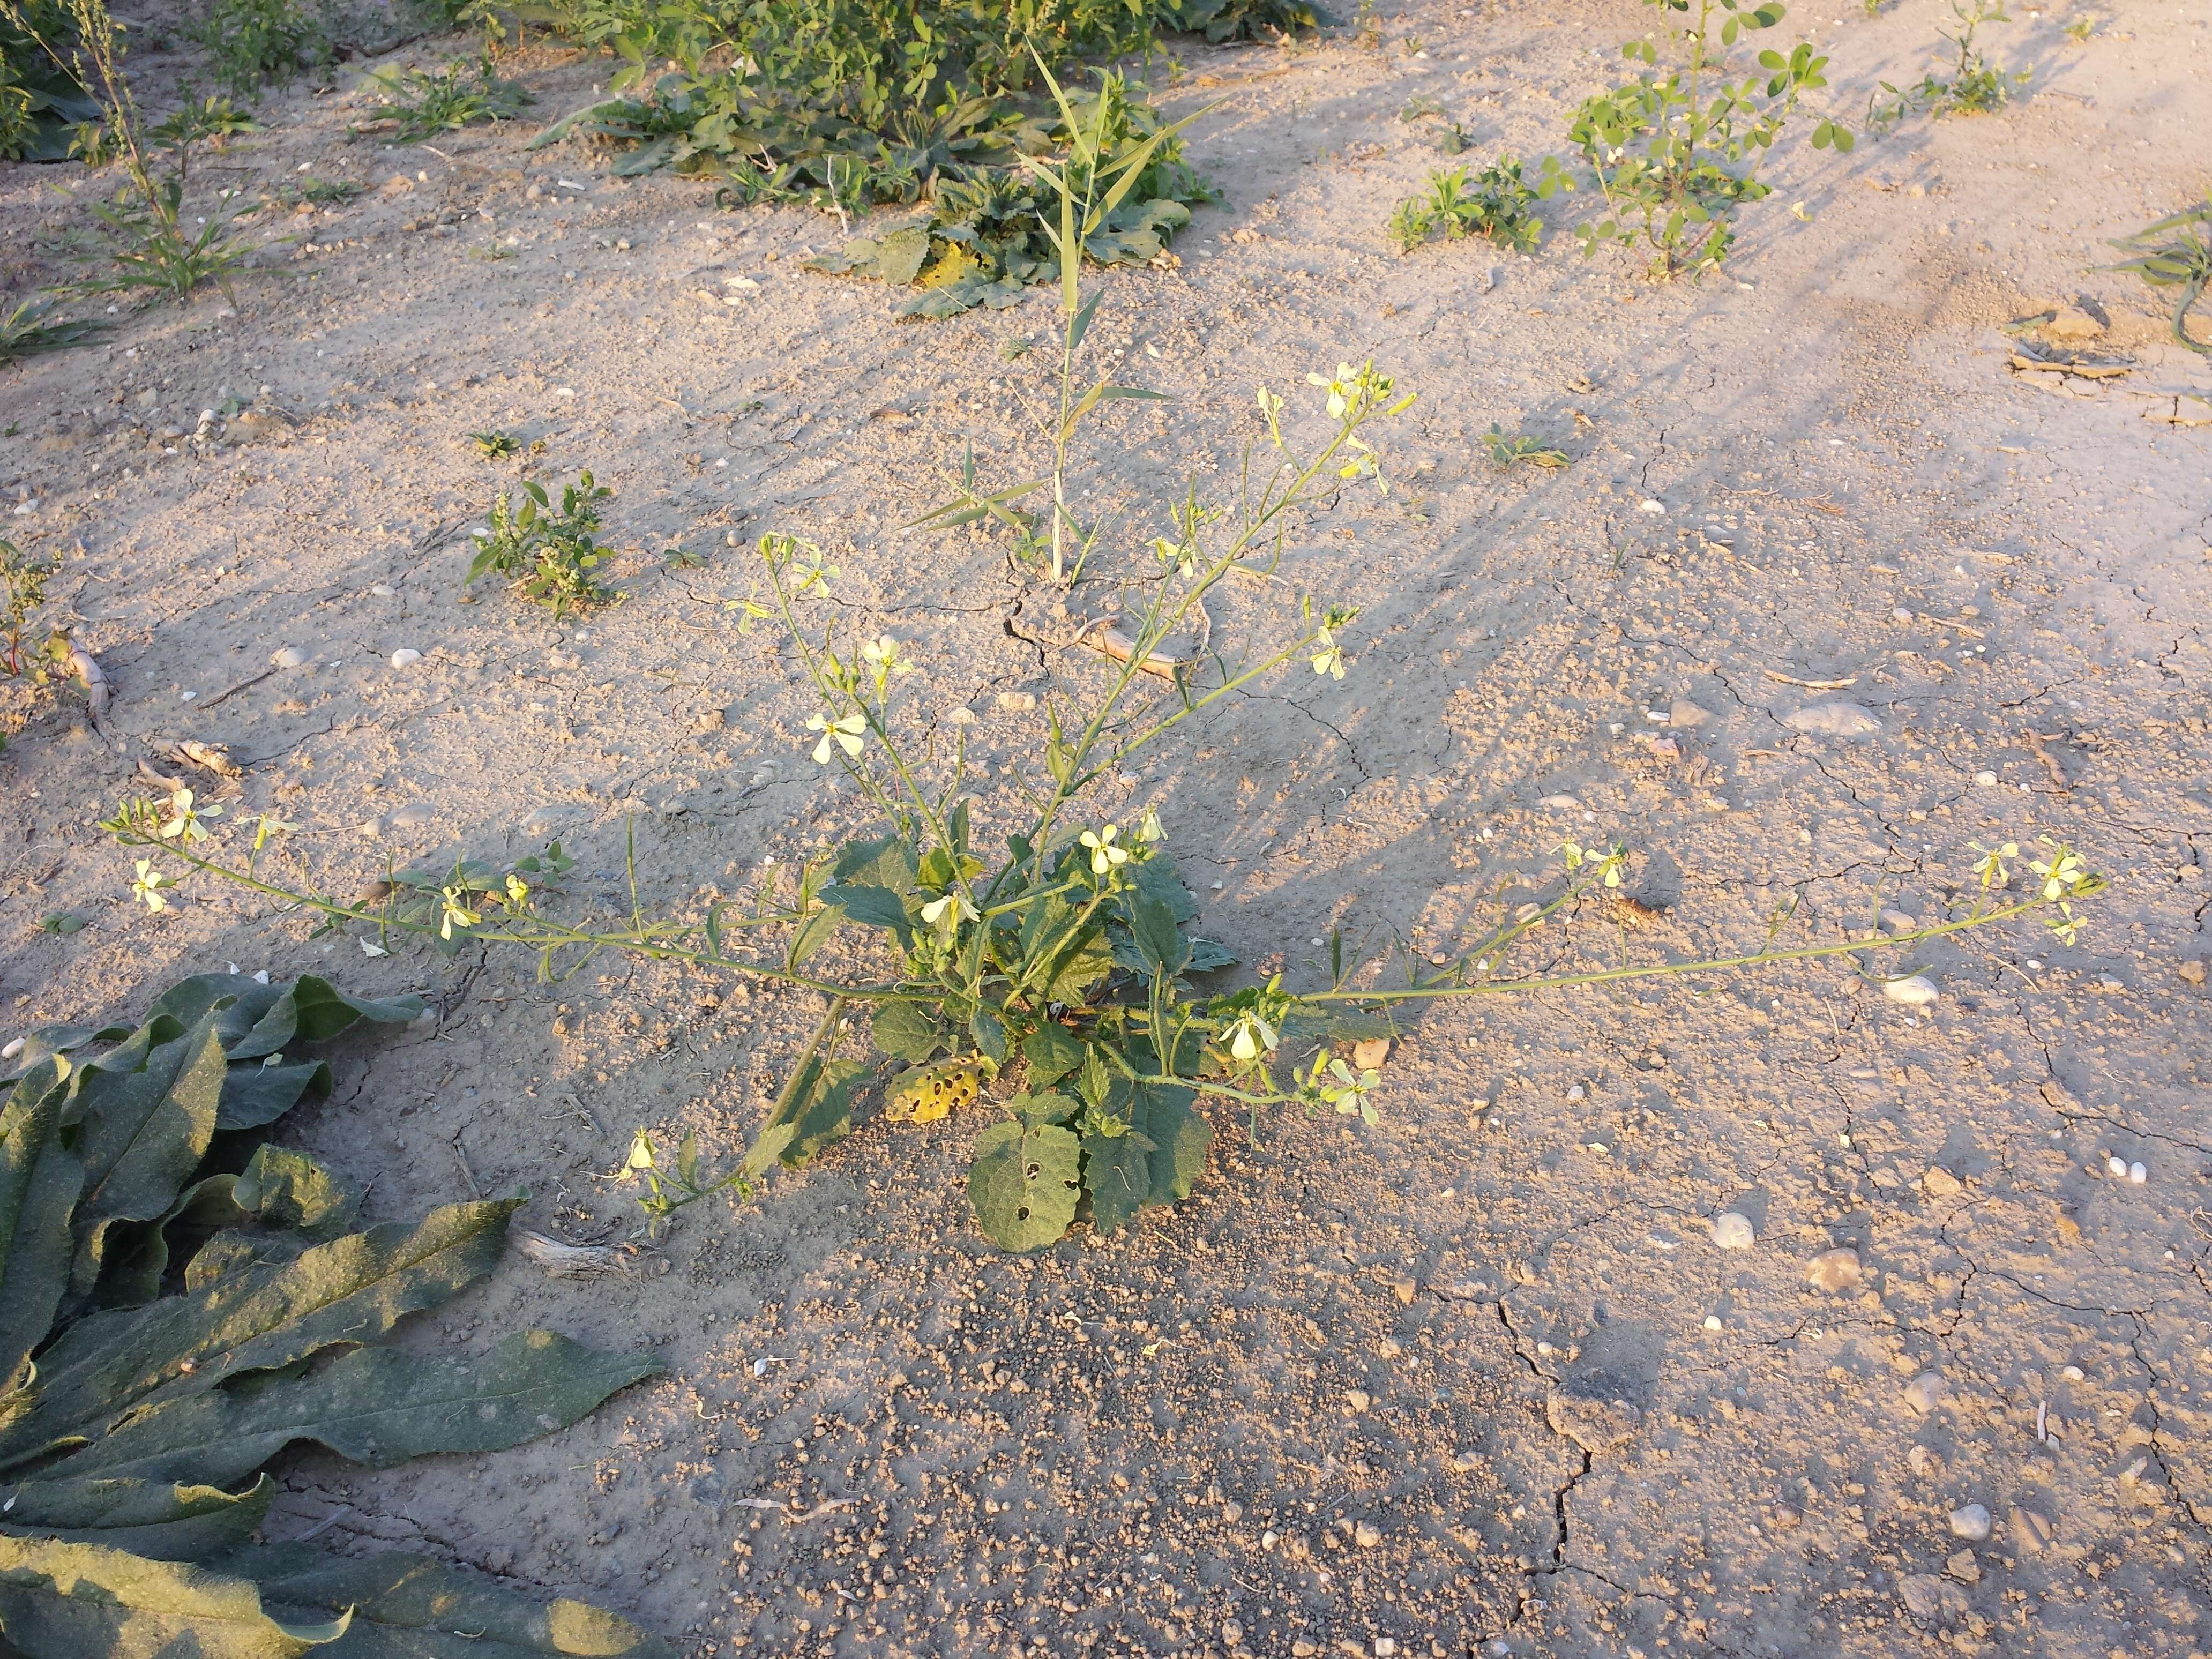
(180, 1302)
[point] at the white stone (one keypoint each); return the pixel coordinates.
(1918, 992)
(1924, 1391)
(1987, 779)
(1732, 1230)
(1833, 720)
(1834, 1271)
(2137, 1174)
(290, 657)
(405, 657)
(1016, 703)
(2117, 1166)
(1971, 1522)
(385, 591)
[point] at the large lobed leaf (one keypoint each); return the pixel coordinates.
(373, 1406)
(63, 1599)
(39, 1180)
(351, 1291)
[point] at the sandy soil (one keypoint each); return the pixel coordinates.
(1477, 1379)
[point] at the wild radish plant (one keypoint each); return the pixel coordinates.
(1675, 154)
(1509, 450)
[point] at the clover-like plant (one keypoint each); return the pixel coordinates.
(550, 558)
(1496, 204)
(1675, 155)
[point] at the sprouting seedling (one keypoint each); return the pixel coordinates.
(1496, 204)
(495, 446)
(2176, 252)
(1975, 86)
(1516, 449)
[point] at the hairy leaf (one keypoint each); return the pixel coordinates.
(375, 1406)
(156, 1518)
(1024, 1183)
(405, 1608)
(142, 1132)
(348, 1291)
(253, 1096)
(73, 1601)
(39, 1180)
(1053, 1051)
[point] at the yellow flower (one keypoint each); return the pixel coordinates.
(148, 888)
(1104, 855)
(186, 821)
(847, 733)
(456, 913)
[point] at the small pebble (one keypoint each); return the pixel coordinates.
(1834, 1271)
(1924, 1392)
(1733, 1230)
(405, 657)
(2072, 1373)
(1682, 712)
(1971, 1522)
(2117, 1166)
(1370, 1054)
(1939, 1182)
(1712, 1322)
(290, 657)
(413, 815)
(2031, 1532)
(1367, 1535)
(1016, 703)
(1986, 780)
(1964, 1568)
(1918, 992)
(384, 591)
(2137, 1174)
(1833, 720)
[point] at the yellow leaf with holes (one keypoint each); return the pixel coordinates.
(931, 1093)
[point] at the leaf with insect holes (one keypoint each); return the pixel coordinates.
(933, 1092)
(1024, 1183)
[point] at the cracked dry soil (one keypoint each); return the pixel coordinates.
(1476, 1379)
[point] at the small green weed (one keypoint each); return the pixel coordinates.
(2082, 29)
(255, 42)
(1517, 449)
(1496, 205)
(22, 593)
(31, 327)
(1975, 86)
(147, 247)
(213, 120)
(427, 105)
(2176, 252)
(548, 556)
(1676, 155)
(496, 445)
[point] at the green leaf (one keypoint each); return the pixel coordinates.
(990, 1033)
(142, 1130)
(811, 934)
(1024, 1183)
(1053, 1051)
(405, 1608)
(353, 1289)
(908, 1031)
(39, 1180)
(814, 1110)
(1124, 1175)
(256, 1094)
(71, 1600)
(871, 907)
(1159, 941)
(381, 1406)
(155, 1518)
